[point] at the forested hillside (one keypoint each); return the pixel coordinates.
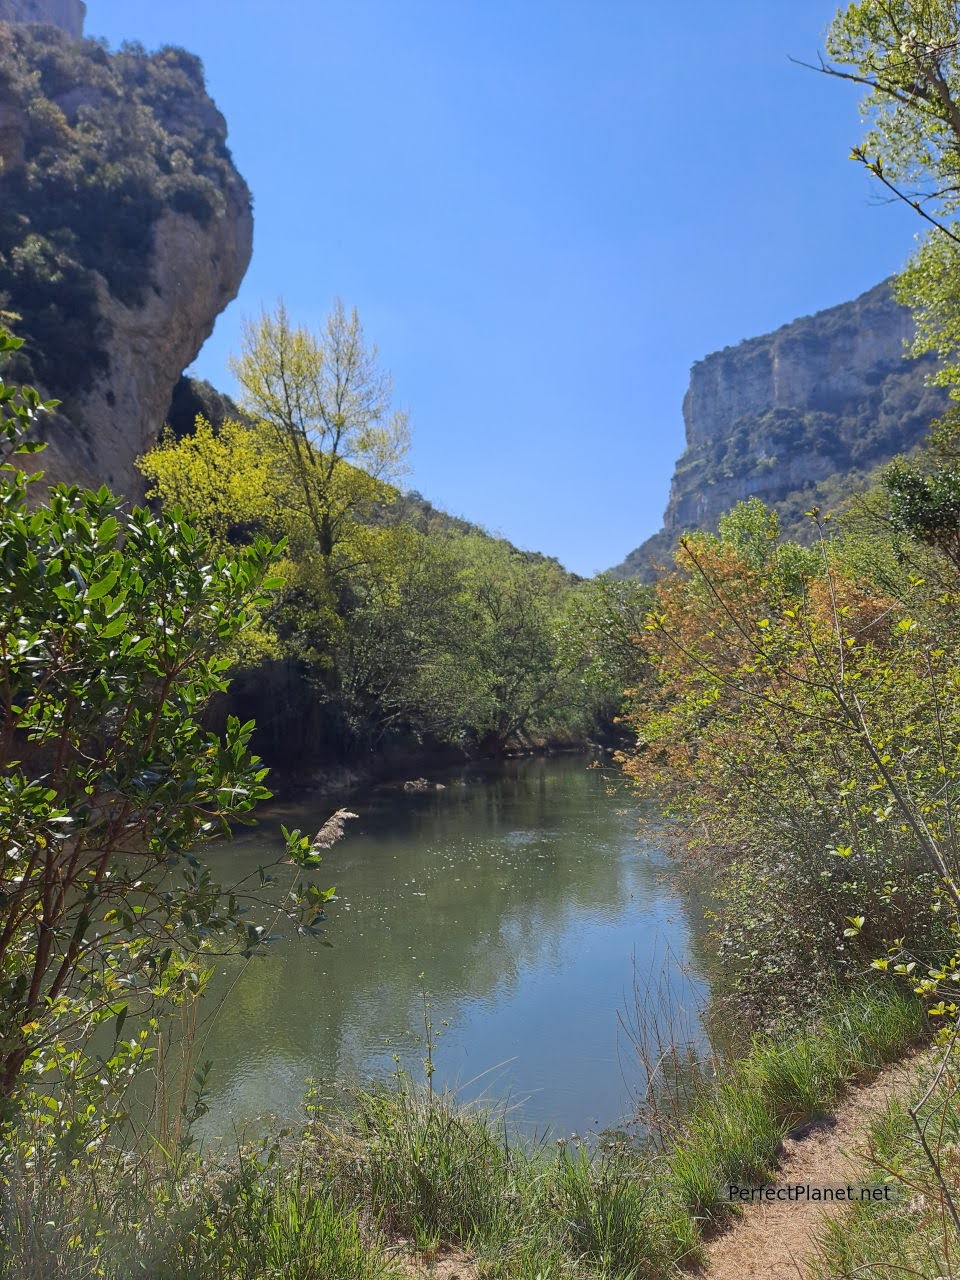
(394, 626)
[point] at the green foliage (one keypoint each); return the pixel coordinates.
(608, 1211)
(407, 1167)
(597, 638)
(115, 631)
(393, 625)
(260, 1217)
(327, 405)
(233, 481)
(752, 530)
(431, 1172)
(805, 721)
(913, 1233)
(926, 507)
(907, 54)
(273, 1224)
(734, 1130)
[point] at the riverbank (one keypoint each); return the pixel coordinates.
(396, 766)
(404, 1176)
(778, 1239)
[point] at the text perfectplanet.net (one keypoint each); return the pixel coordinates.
(801, 1192)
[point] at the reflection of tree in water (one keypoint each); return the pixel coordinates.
(472, 886)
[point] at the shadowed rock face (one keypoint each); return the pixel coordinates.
(66, 14)
(196, 272)
(802, 412)
(118, 282)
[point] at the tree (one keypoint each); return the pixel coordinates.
(114, 631)
(233, 481)
(906, 53)
(328, 404)
(806, 726)
(926, 507)
(598, 643)
(507, 666)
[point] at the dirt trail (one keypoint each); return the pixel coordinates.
(772, 1241)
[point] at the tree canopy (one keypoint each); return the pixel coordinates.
(906, 53)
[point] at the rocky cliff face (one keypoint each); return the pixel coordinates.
(125, 230)
(66, 14)
(796, 414)
(195, 272)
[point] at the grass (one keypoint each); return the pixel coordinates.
(733, 1131)
(405, 1167)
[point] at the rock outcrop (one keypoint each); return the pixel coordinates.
(801, 413)
(68, 15)
(125, 230)
(196, 271)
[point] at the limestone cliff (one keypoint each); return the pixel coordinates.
(794, 417)
(66, 14)
(124, 230)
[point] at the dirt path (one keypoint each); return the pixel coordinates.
(772, 1241)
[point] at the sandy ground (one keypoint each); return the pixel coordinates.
(449, 1264)
(773, 1241)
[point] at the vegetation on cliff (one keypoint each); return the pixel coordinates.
(798, 418)
(95, 146)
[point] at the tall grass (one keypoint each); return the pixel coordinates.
(733, 1131)
(676, 1060)
(407, 1168)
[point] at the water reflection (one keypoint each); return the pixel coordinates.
(523, 897)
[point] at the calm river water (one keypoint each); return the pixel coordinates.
(522, 895)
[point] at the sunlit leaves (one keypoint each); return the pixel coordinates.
(808, 731)
(115, 631)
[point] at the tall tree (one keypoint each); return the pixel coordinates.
(115, 632)
(329, 405)
(907, 55)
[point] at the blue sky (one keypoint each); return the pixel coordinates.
(545, 211)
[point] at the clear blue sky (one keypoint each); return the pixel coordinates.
(545, 211)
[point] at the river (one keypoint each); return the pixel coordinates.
(517, 901)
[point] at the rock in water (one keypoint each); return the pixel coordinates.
(125, 229)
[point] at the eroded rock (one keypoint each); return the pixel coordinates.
(118, 280)
(790, 416)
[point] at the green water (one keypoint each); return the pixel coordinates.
(523, 896)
